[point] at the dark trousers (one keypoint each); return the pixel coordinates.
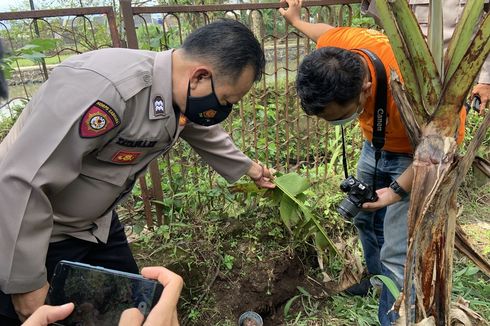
(114, 254)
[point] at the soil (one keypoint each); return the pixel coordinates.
(221, 295)
(263, 288)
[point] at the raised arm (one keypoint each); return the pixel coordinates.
(293, 16)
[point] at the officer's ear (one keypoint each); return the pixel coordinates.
(198, 75)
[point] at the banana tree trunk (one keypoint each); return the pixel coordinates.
(429, 103)
(438, 173)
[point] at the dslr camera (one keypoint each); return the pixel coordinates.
(357, 194)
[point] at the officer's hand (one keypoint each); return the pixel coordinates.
(261, 175)
(386, 196)
(46, 315)
(165, 311)
(483, 91)
(26, 303)
(293, 13)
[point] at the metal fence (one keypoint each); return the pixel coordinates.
(268, 124)
(76, 30)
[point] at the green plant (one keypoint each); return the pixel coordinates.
(33, 51)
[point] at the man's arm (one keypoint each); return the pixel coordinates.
(215, 146)
(387, 196)
(482, 89)
(293, 16)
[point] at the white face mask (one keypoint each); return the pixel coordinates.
(346, 120)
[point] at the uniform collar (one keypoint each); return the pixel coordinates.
(160, 105)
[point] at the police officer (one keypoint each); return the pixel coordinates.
(92, 129)
(452, 12)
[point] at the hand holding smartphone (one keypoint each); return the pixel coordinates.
(100, 295)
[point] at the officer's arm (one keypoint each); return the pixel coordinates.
(45, 157)
(215, 146)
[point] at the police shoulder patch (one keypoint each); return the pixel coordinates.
(97, 120)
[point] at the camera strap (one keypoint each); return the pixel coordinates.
(379, 115)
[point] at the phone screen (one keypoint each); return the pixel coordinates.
(100, 295)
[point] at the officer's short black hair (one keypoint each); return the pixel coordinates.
(327, 75)
(229, 46)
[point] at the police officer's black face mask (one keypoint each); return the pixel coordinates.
(206, 110)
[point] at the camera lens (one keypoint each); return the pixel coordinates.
(142, 307)
(347, 209)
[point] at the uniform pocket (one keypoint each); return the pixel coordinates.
(122, 155)
(116, 175)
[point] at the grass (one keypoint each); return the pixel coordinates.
(49, 60)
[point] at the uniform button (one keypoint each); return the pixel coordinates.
(147, 79)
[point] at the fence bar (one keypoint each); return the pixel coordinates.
(145, 195)
(128, 20)
(55, 13)
(231, 7)
(36, 14)
(157, 189)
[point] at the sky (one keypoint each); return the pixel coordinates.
(4, 5)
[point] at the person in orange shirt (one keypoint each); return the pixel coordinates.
(338, 83)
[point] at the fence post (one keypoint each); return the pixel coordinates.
(111, 19)
(128, 20)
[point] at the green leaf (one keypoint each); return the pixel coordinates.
(288, 304)
(462, 36)
(289, 212)
(45, 44)
(293, 182)
(283, 186)
(390, 284)
(303, 291)
(412, 53)
(228, 261)
(435, 34)
(458, 86)
(34, 56)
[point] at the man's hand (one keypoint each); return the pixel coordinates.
(26, 303)
(165, 311)
(386, 196)
(293, 13)
(46, 315)
(261, 175)
(483, 91)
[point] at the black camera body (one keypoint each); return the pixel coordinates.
(358, 193)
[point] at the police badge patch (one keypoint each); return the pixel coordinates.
(125, 157)
(158, 106)
(99, 119)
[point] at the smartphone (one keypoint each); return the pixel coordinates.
(100, 295)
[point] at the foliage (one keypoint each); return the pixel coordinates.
(210, 229)
(289, 196)
(34, 52)
(7, 120)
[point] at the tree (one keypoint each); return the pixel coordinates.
(433, 93)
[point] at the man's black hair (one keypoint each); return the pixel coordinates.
(328, 75)
(229, 46)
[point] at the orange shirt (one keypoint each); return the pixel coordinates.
(396, 139)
